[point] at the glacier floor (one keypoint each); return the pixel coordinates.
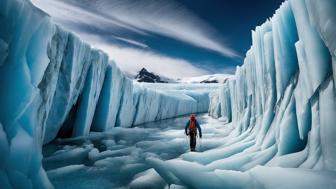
(156, 155)
(113, 159)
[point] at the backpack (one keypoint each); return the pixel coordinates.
(192, 126)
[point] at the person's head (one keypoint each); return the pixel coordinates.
(192, 117)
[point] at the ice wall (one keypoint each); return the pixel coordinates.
(279, 108)
(52, 83)
(285, 90)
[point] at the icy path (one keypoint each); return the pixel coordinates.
(156, 155)
(112, 159)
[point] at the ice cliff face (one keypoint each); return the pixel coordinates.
(53, 84)
(286, 88)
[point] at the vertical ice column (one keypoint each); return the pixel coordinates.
(260, 51)
(48, 84)
(241, 108)
(90, 94)
(215, 104)
(117, 92)
(102, 113)
(270, 88)
(231, 85)
(284, 38)
(314, 139)
(327, 121)
(316, 55)
(289, 140)
(303, 93)
(322, 16)
(124, 118)
(225, 100)
(74, 57)
(148, 105)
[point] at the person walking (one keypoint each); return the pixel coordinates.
(191, 130)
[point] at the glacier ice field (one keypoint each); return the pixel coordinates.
(69, 118)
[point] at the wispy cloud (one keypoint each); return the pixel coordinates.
(132, 42)
(166, 18)
(69, 14)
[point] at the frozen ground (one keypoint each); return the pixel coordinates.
(118, 158)
(156, 155)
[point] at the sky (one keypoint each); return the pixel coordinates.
(173, 38)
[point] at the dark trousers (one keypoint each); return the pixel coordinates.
(192, 137)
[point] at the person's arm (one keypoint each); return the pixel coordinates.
(199, 129)
(186, 127)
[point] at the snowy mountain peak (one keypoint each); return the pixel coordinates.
(149, 77)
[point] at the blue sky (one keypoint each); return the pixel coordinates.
(172, 38)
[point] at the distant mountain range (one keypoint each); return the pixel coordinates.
(149, 77)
